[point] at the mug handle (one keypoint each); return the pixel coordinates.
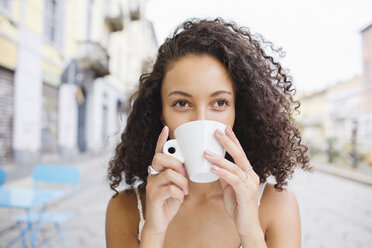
(172, 148)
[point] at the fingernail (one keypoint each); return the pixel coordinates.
(229, 129)
(164, 131)
(215, 168)
(183, 171)
(219, 132)
(209, 153)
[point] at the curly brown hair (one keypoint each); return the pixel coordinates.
(264, 103)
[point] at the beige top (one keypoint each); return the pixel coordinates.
(142, 220)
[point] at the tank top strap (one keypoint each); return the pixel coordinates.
(260, 191)
(139, 206)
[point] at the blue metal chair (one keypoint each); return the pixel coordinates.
(2, 176)
(48, 175)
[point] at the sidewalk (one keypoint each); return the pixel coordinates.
(87, 226)
(362, 174)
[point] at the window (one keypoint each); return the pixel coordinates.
(5, 6)
(52, 21)
(368, 129)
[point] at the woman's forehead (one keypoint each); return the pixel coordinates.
(197, 73)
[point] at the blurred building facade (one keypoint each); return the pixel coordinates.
(336, 115)
(348, 127)
(342, 114)
(314, 119)
(367, 78)
(67, 69)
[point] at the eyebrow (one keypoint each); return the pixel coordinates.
(188, 95)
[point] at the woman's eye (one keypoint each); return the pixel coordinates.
(180, 103)
(222, 103)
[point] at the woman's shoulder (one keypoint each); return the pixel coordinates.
(124, 200)
(122, 212)
(278, 200)
(122, 218)
(273, 194)
(278, 207)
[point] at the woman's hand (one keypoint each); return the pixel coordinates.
(240, 198)
(165, 191)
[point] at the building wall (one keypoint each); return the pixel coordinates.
(128, 50)
(8, 63)
(28, 84)
(333, 114)
(367, 77)
(46, 114)
(49, 131)
(6, 110)
(314, 119)
(102, 133)
(67, 120)
(346, 102)
(8, 50)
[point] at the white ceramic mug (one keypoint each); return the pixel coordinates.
(191, 140)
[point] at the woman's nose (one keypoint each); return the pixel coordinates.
(200, 114)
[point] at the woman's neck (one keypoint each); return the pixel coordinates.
(204, 191)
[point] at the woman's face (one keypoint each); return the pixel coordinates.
(197, 88)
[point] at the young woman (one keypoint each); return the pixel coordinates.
(209, 70)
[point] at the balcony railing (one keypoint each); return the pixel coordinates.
(92, 56)
(134, 10)
(115, 18)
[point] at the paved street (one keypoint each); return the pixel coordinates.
(335, 212)
(86, 229)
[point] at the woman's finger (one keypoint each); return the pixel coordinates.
(170, 176)
(236, 153)
(247, 169)
(162, 139)
(163, 161)
(224, 163)
(230, 133)
(170, 191)
(234, 180)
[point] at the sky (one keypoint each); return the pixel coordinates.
(321, 38)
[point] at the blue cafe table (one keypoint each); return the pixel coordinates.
(28, 199)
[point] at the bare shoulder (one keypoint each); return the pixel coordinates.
(122, 220)
(281, 215)
(286, 196)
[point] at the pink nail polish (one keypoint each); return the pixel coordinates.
(219, 132)
(209, 153)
